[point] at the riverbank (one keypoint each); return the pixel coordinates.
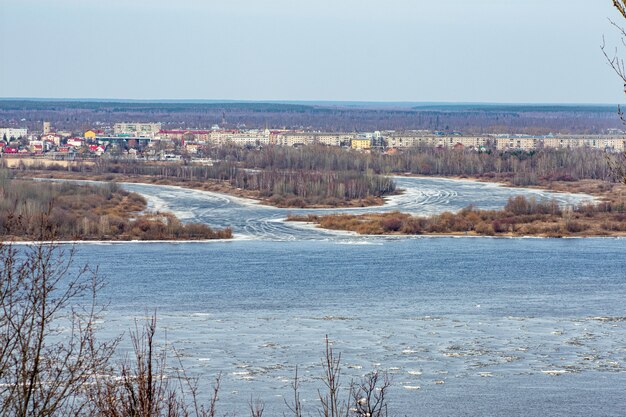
(202, 185)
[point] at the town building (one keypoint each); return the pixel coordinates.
(422, 138)
(361, 144)
(75, 142)
(252, 137)
(184, 135)
(137, 129)
(287, 138)
(52, 137)
(91, 134)
(10, 132)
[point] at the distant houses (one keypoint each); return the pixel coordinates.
(139, 140)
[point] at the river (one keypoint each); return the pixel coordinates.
(464, 326)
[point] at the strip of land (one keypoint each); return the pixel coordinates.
(520, 217)
(36, 211)
(219, 186)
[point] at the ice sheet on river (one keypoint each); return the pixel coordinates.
(250, 220)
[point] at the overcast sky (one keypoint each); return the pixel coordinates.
(513, 51)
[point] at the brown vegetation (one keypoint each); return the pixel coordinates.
(520, 217)
(32, 210)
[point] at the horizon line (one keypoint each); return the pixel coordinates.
(310, 102)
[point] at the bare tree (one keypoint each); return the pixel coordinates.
(369, 396)
(142, 388)
(331, 403)
(256, 407)
(617, 163)
(48, 351)
(296, 407)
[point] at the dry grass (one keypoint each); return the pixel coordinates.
(84, 212)
(520, 217)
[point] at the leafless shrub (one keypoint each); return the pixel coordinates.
(617, 164)
(369, 396)
(143, 389)
(296, 407)
(48, 351)
(330, 398)
(256, 407)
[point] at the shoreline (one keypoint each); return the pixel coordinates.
(250, 201)
(112, 242)
(356, 235)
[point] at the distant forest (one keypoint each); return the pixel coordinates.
(467, 118)
(519, 168)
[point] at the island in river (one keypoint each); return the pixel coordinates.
(519, 218)
(38, 210)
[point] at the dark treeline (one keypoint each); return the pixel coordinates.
(522, 168)
(285, 186)
(329, 117)
(46, 210)
(315, 187)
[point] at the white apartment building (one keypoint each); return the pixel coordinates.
(312, 138)
(137, 129)
(253, 137)
(411, 139)
(10, 132)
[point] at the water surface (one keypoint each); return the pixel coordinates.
(512, 327)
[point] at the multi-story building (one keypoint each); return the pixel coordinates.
(604, 142)
(53, 138)
(137, 129)
(412, 139)
(10, 132)
(186, 135)
(252, 137)
(527, 143)
(312, 138)
(361, 143)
